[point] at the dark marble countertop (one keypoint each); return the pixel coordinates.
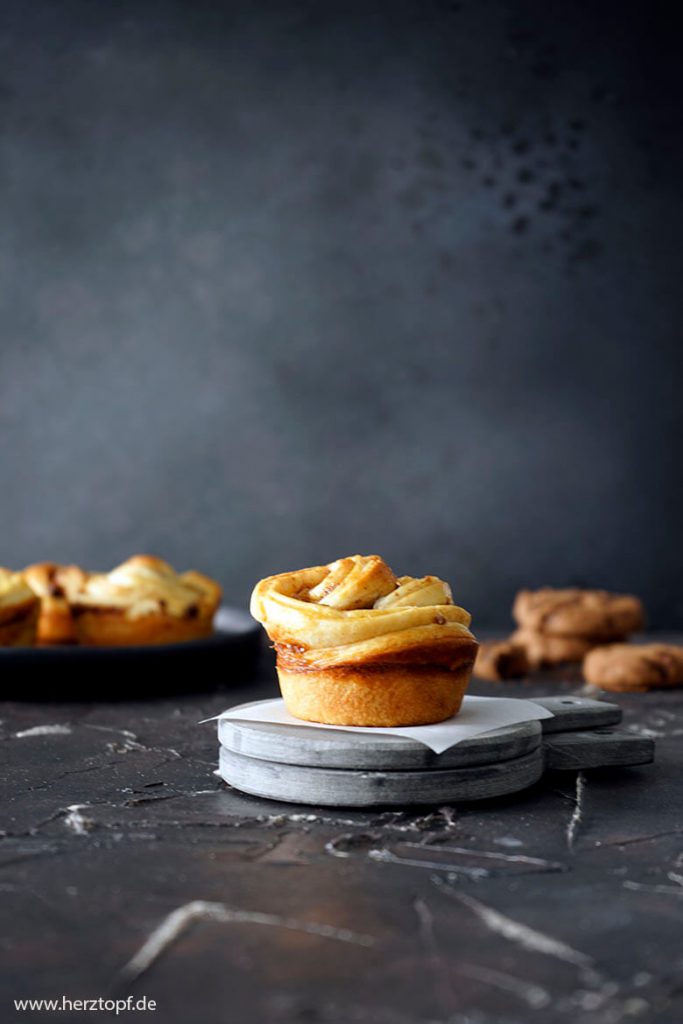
(128, 867)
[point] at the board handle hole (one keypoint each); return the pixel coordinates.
(567, 702)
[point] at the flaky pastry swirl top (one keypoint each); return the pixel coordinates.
(51, 581)
(14, 589)
(355, 610)
(145, 585)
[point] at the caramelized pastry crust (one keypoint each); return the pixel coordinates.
(53, 584)
(624, 667)
(574, 612)
(19, 609)
(357, 646)
(144, 601)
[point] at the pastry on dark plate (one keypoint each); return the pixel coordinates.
(144, 601)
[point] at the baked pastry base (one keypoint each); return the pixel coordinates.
(388, 696)
(18, 624)
(112, 628)
(55, 624)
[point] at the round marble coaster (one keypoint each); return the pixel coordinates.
(327, 748)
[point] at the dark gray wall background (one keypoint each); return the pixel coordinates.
(282, 282)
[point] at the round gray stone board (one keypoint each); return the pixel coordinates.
(327, 748)
(334, 787)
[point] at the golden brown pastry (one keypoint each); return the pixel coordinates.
(499, 661)
(543, 650)
(574, 612)
(144, 601)
(19, 608)
(53, 583)
(624, 667)
(358, 646)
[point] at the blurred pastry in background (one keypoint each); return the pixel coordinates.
(503, 660)
(563, 625)
(144, 601)
(357, 645)
(634, 667)
(19, 610)
(53, 583)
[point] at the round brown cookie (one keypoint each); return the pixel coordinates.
(634, 666)
(503, 660)
(543, 649)
(579, 613)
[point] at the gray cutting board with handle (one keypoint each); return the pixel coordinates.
(342, 769)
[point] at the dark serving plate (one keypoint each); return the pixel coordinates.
(111, 673)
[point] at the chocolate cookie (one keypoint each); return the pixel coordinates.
(634, 666)
(543, 649)
(578, 613)
(498, 661)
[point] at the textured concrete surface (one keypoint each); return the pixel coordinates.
(126, 867)
(284, 281)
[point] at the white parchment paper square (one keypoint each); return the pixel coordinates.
(477, 715)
